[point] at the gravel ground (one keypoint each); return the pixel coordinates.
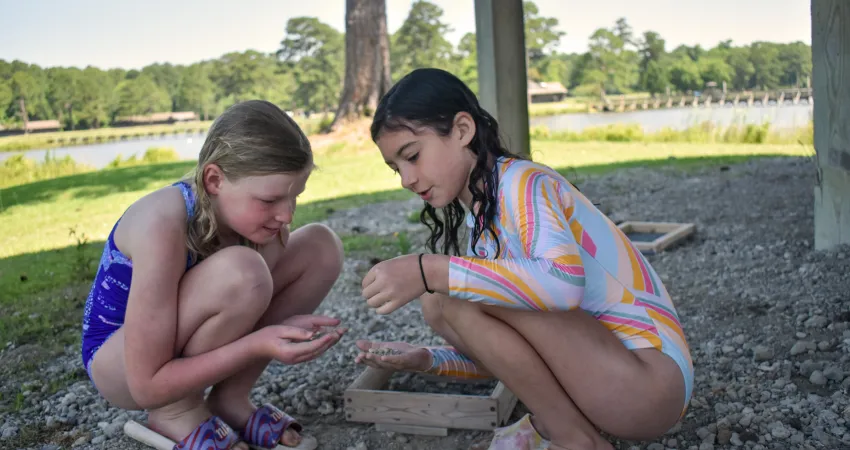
(767, 318)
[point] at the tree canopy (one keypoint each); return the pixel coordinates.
(306, 72)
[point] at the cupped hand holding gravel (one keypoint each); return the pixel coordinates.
(399, 356)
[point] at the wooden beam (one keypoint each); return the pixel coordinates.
(502, 80)
(654, 237)
(831, 83)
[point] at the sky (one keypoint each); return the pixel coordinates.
(132, 34)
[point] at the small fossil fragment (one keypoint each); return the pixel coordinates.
(323, 331)
(384, 351)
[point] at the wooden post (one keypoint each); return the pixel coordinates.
(831, 83)
(502, 79)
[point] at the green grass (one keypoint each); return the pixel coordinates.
(568, 106)
(54, 229)
(17, 170)
(372, 247)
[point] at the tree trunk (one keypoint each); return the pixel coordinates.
(23, 105)
(367, 60)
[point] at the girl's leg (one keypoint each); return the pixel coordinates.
(219, 301)
(303, 272)
(432, 312)
(572, 373)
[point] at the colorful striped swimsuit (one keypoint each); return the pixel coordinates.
(559, 252)
(107, 300)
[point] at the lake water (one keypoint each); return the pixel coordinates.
(188, 147)
(780, 117)
(99, 155)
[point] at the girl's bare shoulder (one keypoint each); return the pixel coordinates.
(159, 214)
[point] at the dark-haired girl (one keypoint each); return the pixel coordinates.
(550, 297)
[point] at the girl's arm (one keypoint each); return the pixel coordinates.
(155, 375)
(549, 275)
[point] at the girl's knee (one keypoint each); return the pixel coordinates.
(246, 274)
(326, 248)
(442, 309)
(434, 308)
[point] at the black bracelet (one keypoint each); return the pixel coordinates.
(422, 271)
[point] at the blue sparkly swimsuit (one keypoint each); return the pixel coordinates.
(107, 300)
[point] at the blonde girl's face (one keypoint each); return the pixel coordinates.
(255, 207)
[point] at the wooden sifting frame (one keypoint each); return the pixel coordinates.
(366, 400)
(665, 234)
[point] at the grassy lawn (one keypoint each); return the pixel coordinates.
(53, 230)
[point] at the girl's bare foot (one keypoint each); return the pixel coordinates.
(399, 356)
(177, 421)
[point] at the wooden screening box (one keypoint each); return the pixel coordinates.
(654, 237)
(366, 400)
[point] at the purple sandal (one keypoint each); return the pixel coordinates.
(212, 434)
(267, 424)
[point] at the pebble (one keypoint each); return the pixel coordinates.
(735, 440)
(818, 378)
(724, 436)
(800, 347)
(779, 431)
(817, 322)
(833, 373)
(762, 353)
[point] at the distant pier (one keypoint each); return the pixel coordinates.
(708, 99)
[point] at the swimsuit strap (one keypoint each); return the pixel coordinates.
(189, 199)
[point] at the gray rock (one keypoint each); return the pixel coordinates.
(724, 436)
(762, 353)
(326, 409)
(799, 348)
(779, 431)
(833, 373)
(8, 432)
(735, 440)
(818, 378)
(817, 322)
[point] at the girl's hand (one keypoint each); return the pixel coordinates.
(393, 283)
(399, 356)
(293, 345)
(310, 322)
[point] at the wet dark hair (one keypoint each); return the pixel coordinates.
(432, 98)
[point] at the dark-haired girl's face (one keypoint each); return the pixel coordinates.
(433, 166)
